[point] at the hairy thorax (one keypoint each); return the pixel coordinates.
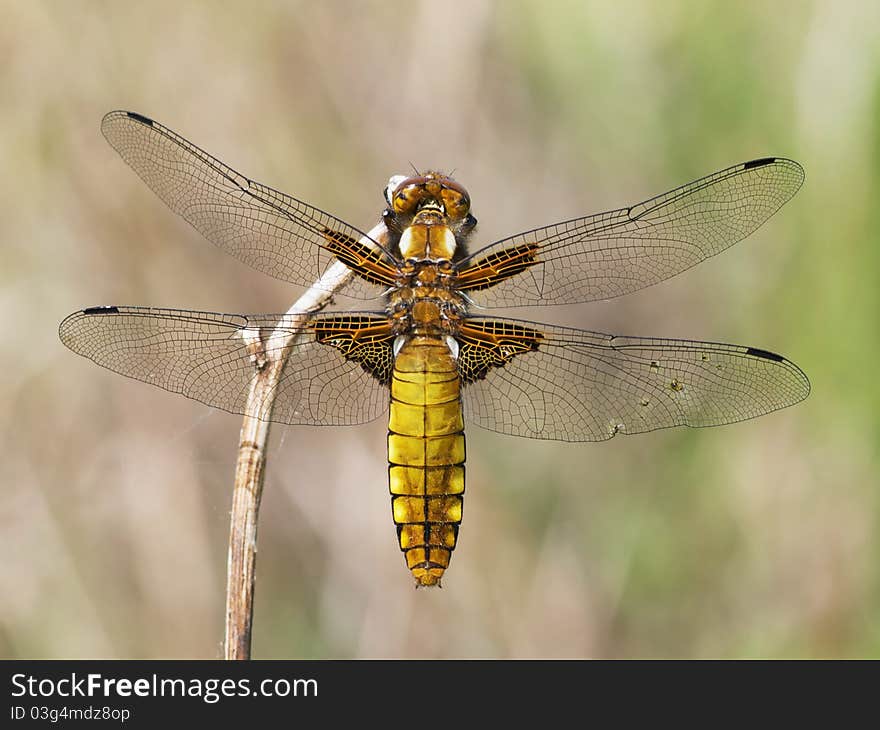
(425, 301)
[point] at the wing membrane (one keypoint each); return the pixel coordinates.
(610, 254)
(264, 228)
(206, 356)
(577, 385)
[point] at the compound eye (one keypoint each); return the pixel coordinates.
(408, 194)
(456, 203)
(406, 199)
(393, 183)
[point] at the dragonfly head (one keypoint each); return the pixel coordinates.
(431, 190)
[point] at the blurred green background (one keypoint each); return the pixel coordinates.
(758, 539)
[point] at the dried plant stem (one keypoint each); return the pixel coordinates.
(251, 466)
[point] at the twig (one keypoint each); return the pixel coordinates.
(269, 357)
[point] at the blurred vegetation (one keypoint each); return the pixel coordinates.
(759, 539)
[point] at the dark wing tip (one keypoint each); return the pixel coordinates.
(783, 162)
(766, 354)
(786, 169)
(121, 113)
(101, 310)
(66, 329)
(762, 162)
(800, 375)
(140, 118)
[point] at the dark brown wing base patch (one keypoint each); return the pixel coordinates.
(497, 267)
(366, 340)
(488, 344)
(366, 262)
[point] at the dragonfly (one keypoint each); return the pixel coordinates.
(423, 347)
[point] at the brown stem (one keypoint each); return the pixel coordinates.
(248, 489)
(269, 356)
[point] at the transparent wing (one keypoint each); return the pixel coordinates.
(266, 229)
(610, 254)
(210, 358)
(577, 385)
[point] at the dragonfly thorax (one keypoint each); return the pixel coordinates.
(426, 299)
(428, 237)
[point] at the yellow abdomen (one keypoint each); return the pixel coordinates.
(426, 455)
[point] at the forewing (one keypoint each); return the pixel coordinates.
(212, 358)
(610, 254)
(264, 228)
(575, 385)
